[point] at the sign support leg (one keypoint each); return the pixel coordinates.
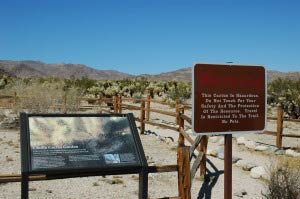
(24, 186)
(227, 166)
(143, 184)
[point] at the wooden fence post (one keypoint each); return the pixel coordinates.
(184, 175)
(181, 125)
(148, 108)
(15, 99)
(178, 101)
(203, 149)
(279, 127)
(78, 102)
(99, 103)
(65, 104)
(142, 117)
(115, 100)
(120, 104)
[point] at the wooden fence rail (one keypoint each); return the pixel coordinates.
(10, 101)
(199, 144)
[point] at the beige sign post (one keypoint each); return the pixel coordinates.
(228, 99)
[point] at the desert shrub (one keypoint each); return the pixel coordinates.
(180, 90)
(284, 182)
(39, 95)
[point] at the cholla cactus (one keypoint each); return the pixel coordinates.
(150, 89)
(132, 89)
(112, 91)
(96, 90)
(158, 90)
(2, 83)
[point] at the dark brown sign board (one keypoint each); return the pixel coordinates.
(228, 98)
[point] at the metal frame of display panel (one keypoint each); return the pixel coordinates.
(59, 173)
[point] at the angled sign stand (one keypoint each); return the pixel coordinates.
(228, 99)
(77, 145)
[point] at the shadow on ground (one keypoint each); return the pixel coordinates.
(210, 180)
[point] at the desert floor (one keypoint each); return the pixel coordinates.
(159, 152)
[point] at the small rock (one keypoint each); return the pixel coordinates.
(272, 149)
(214, 139)
(240, 163)
(235, 159)
(244, 192)
(261, 148)
(246, 166)
(161, 138)
(238, 194)
(170, 139)
(250, 144)
(32, 189)
(49, 191)
(109, 181)
(151, 163)
(212, 152)
(289, 152)
(241, 193)
(292, 153)
(221, 141)
(190, 131)
(151, 175)
(280, 152)
(10, 123)
(241, 140)
(221, 153)
(258, 172)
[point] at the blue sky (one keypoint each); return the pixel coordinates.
(152, 36)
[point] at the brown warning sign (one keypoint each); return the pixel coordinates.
(228, 98)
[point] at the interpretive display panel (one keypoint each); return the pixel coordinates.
(228, 98)
(66, 142)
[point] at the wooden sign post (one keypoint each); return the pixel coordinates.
(228, 99)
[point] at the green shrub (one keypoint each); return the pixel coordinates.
(284, 182)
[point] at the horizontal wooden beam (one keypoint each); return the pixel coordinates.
(130, 107)
(270, 133)
(162, 169)
(291, 120)
(290, 135)
(186, 118)
(187, 106)
(161, 112)
(272, 118)
(160, 102)
(5, 178)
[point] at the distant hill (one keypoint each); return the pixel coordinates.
(184, 74)
(272, 75)
(40, 69)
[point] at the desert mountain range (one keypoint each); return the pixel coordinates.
(40, 69)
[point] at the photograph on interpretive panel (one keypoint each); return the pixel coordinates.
(81, 142)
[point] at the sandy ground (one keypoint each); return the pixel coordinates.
(160, 185)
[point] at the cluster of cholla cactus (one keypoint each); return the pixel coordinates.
(286, 94)
(167, 91)
(3, 81)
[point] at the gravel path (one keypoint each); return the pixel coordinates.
(159, 153)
